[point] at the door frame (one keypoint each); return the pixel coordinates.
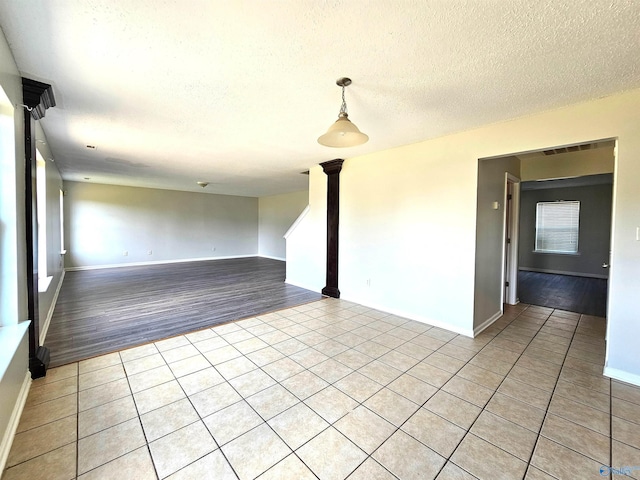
(511, 221)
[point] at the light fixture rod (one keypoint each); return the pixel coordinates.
(343, 82)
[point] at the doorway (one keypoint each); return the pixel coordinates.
(557, 267)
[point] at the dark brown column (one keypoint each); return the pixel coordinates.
(332, 169)
(37, 97)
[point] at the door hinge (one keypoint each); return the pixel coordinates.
(506, 284)
(509, 197)
(508, 240)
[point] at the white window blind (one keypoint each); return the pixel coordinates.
(557, 226)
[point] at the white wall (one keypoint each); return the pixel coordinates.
(55, 261)
(104, 221)
(276, 214)
(408, 219)
(12, 209)
(306, 245)
(401, 248)
(13, 283)
(8, 219)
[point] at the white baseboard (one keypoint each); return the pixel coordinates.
(273, 258)
(45, 327)
(621, 375)
(467, 332)
(306, 287)
(562, 272)
(12, 427)
(156, 262)
(487, 323)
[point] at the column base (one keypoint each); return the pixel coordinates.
(331, 292)
(38, 365)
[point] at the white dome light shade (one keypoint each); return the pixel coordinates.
(343, 133)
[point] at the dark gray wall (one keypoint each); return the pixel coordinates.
(595, 227)
(490, 236)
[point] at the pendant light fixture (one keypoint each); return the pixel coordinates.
(343, 133)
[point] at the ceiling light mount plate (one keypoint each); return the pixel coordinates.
(343, 82)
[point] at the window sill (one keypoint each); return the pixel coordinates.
(543, 252)
(43, 284)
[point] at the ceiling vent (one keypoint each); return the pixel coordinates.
(574, 148)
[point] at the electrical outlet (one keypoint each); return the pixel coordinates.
(125, 253)
(213, 249)
(150, 252)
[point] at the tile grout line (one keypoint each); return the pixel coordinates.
(546, 414)
(369, 456)
(468, 430)
(329, 384)
(200, 418)
(243, 398)
(77, 421)
(349, 348)
(398, 428)
(302, 401)
(144, 433)
(160, 352)
(546, 411)
(332, 384)
(610, 425)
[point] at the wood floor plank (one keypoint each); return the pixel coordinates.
(574, 294)
(99, 311)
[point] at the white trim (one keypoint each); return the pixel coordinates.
(47, 321)
(273, 258)
(297, 221)
(43, 284)
(621, 375)
(512, 296)
(467, 332)
(156, 262)
(12, 427)
(487, 323)
(614, 203)
(563, 272)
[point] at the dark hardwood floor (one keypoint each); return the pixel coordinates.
(100, 311)
(574, 294)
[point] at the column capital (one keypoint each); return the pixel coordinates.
(38, 96)
(332, 166)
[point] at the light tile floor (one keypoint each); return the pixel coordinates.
(334, 390)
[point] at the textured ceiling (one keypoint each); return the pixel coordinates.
(236, 93)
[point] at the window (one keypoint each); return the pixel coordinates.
(557, 227)
(62, 249)
(41, 185)
(9, 267)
